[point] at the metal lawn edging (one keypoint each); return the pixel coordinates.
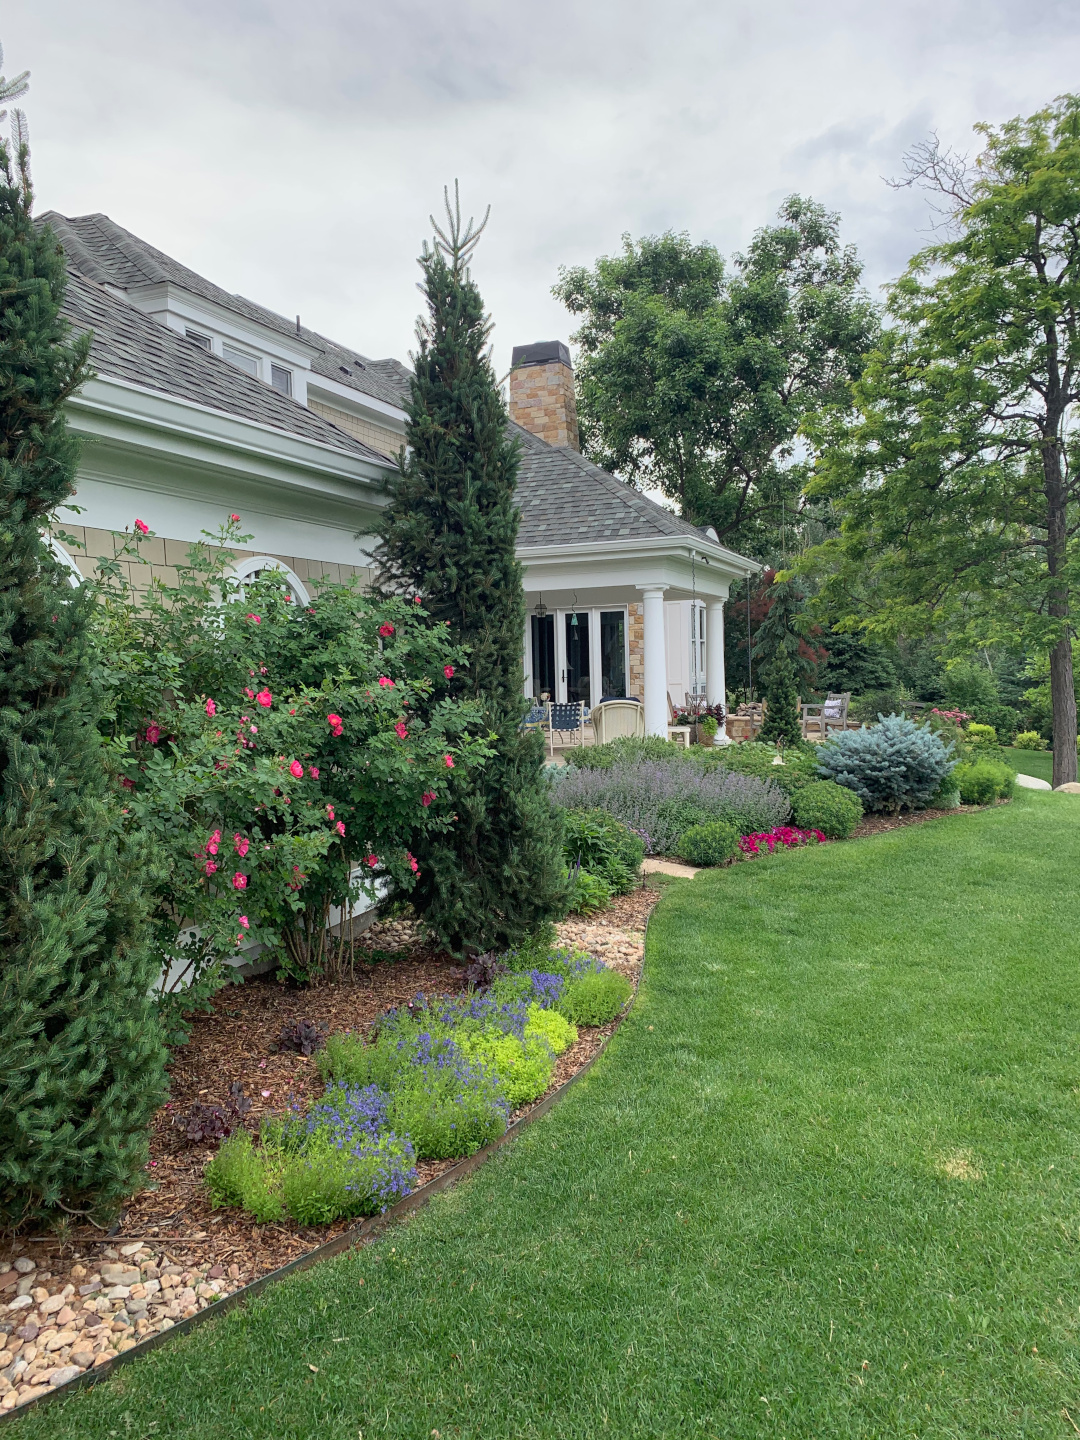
(357, 1235)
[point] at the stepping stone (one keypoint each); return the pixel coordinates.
(1029, 782)
(671, 867)
(1069, 788)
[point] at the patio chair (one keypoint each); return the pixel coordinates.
(567, 719)
(829, 715)
(673, 729)
(614, 719)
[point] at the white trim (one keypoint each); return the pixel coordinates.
(75, 575)
(253, 564)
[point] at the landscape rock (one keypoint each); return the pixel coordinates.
(21, 1302)
(64, 1374)
(1069, 788)
(24, 1265)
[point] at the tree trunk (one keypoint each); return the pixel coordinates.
(1063, 705)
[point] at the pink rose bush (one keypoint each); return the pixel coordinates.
(320, 799)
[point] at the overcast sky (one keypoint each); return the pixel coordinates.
(293, 151)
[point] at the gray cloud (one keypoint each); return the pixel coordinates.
(295, 152)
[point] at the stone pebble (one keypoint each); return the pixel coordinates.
(62, 1326)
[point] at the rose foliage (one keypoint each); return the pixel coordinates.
(273, 752)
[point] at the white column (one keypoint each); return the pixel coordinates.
(656, 704)
(715, 679)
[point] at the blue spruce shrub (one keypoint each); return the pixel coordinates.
(892, 766)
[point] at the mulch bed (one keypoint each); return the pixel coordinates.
(238, 1041)
(878, 824)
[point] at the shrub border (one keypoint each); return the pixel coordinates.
(348, 1240)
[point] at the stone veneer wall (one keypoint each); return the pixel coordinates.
(162, 557)
(388, 442)
(635, 681)
(542, 401)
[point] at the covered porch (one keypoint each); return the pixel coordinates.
(635, 618)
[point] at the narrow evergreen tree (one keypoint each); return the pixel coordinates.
(81, 1062)
(449, 535)
(782, 724)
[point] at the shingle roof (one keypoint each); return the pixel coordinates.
(128, 345)
(102, 250)
(565, 498)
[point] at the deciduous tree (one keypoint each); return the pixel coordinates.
(958, 481)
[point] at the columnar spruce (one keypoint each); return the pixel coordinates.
(449, 536)
(82, 1064)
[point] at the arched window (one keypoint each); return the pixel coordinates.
(256, 565)
(67, 562)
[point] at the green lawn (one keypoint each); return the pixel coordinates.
(823, 1184)
(1039, 763)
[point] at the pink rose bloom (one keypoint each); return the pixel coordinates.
(211, 708)
(296, 770)
(386, 629)
(340, 827)
(250, 695)
(330, 812)
(235, 519)
(244, 921)
(427, 797)
(153, 733)
(416, 599)
(413, 866)
(401, 730)
(371, 860)
(241, 844)
(333, 720)
(256, 618)
(142, 527)
(265, 699)
(239, 881)
(210, 867)
(386, 682)
(449, 759)
(448, 671)
(126, 783)
(313, 771)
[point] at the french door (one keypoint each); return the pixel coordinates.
(578, 655)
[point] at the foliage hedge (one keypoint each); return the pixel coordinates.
(604, 846)
(984, 781)
(708, 844)
(823, 805)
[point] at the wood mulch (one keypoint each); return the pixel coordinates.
(878, 824)
(238, 1041)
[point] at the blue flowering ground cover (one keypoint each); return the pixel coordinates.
(434, 1080)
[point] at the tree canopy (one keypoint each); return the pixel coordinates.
(957, 479)
(696, 378)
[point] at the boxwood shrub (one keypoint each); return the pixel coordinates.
(709, 844)
(984, 781)
(823, 805)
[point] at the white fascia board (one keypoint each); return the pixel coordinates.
(357, 400)
(164, 295)
(646, 560)
(123, 413)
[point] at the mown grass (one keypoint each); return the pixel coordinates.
(1039, 763)
(823, 1184)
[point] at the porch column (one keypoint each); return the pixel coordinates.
(656, 700)
(715, 680)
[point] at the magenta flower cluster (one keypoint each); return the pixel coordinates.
(787, 836)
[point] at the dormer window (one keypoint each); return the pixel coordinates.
(281, 379)
(203, 341)
(344, 370)
(242, 360)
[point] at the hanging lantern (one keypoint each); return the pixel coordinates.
(540, 609)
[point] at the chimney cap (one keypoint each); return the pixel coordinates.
(543, 352)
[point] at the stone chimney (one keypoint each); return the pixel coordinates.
(542, 392)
